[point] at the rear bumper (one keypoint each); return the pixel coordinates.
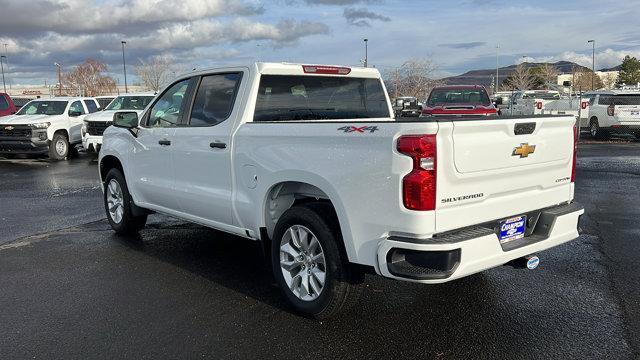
(471, 250)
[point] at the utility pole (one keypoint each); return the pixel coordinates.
(397, 80)
(593, 62)
(6, 60)
(497, 66)
(2, 67)
(124, 65)
(366, 52)
(59, 79)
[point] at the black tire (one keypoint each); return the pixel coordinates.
(343, 282)
(73, 151)
(637, 134)
(128, 224)
(8, 156)
(596, 131)
(59, 147)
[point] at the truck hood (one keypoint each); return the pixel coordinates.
(27, 119)
(106, 115)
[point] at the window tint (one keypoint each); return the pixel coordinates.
(4, 104)
(167, 111)
(43, 108)
(619, 100)
(91, 105)
(299, 97)
(130, 103)
(460, 96)
(214, 99)
(76, 106)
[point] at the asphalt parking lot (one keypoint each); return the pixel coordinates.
(70, 288)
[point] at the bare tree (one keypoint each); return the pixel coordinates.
(582, 80)
(548, 74)
(609, 80)
(413, 78)
(156, 73)
(521, 78)
(88, 79)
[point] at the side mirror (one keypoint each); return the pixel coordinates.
(125, 119)
(74, 113)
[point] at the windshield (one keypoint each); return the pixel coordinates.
(129, 103)
(542, 95)
(43, 108)
(4, 104)
(299, 97)
(458, 96)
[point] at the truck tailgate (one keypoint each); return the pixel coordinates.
(496, 168)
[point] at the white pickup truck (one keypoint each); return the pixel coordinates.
(96, 123)
(308, 161)
(46, 126)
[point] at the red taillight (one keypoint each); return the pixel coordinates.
(331, 70)
(584, 105)
(539, 105)
(575, 153)
(611, 110)
(419, 186)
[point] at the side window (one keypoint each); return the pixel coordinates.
(167, 111)
(91, 105)
(604, 100)
(76, 106)
(592, 100)
(214, 100)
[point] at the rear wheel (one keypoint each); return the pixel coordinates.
(309, 265)
(59, 147)
(117, 203)
(596, 131)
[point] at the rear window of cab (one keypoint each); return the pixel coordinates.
(304, 97)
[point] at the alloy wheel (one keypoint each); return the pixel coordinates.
(302, 263)
(115, 201)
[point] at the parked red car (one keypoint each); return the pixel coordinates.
(7, 107)
(459, 100)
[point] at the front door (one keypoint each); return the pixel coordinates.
(153, 173)
(202, 149)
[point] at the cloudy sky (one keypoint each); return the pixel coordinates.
(458, 35)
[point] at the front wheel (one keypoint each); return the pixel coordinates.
(59, 147)
(117, 203)
(309, 266)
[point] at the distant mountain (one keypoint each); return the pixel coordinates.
(615, 68)
(485, 77)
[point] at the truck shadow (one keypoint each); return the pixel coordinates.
(457, 318)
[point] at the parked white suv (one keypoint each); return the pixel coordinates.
(614, 111)
(46, 126)
(96, 123)
(308, 161)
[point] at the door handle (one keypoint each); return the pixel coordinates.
(218, 145)
(164, 142)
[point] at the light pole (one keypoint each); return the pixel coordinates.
(593, 61)
(497, 65)
(366, 52)
(2, 67)
(59, 79)
(124, 66)
(6, 60)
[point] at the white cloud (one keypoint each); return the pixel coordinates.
(607, 58)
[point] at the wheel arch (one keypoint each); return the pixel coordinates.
(107, 163)
(282, 195)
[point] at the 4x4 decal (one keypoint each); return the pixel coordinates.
(359, 129)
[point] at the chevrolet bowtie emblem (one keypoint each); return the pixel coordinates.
(524, 150)
(8, 128)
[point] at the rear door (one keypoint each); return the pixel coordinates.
(76, 121)
(202, 148)
(489, 169)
